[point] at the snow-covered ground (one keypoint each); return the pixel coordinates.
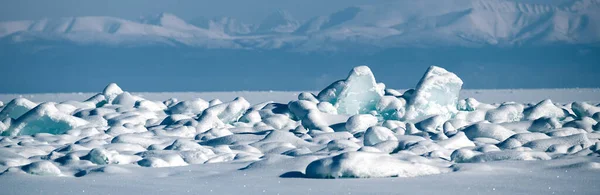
(353, 137)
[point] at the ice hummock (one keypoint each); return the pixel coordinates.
(45, 118)
(15, 108)
(111, 91)
(358, 94)
(436, 94)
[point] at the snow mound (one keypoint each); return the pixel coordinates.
(368, 165)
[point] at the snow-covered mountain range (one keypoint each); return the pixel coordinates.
(423, 23)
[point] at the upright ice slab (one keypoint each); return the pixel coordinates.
(358, 94)
(436, 94)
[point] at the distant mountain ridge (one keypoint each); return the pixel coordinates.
(425, 23)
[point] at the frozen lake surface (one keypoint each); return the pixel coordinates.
(353, 137)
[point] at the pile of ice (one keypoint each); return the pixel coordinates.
(353, 128)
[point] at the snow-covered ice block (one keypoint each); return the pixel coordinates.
(377, 134)
(150, 105)
(191, 107)
(229, 112)
(392, 92)
(101, 156)
(118, 130)
(583, 109)
(161, 158)
(45, 118)
(97, 100)
(4, 127)
(543, 109)
(342, 144)
(213, 133)
(424, 147)
(585, 123)
(487, 130)
(174, 118)
(459, 140)
(111, 91)
(327, 107)
(387, 146)
(393, 124)
(15, 108)
(139, 117)
(432, 124)
(280, 121)
(541, 124)
(185, 145)
(196, 156)
(308, 97)
(469, 104)
(391, 107)
(561, 132)
(436, 94)
(368, 165)
(214, 102)
(301, 108)
(125, 99)
(316, 119)
(572, 140)
(207, 121)
(360, 122)
(327, 137)
(596, 116)
(508, 112)
(136, 139)
(284, 137)
(358, 94)
(42, 168)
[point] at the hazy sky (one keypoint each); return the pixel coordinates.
(245, 10)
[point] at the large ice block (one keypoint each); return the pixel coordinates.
(436, 94)
(111, 91)
(15, 108)
(45, 118)
(358, 94)
(229, 112)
